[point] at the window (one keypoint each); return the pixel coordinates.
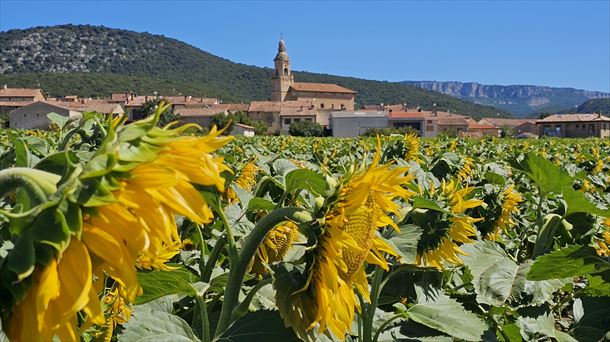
(591, 129)
(308, 119)
(296, 120)
(332, 106)
(321, 105)
(576, 126)
(286, 121)
(342, 106)
(285, 71)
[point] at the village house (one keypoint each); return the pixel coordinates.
(575, 126)
(429, 123)
(34, 115)
(267, 112)
(203, 115)
(512, 127)
(13, 98)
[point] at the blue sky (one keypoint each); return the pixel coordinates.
(555, 43)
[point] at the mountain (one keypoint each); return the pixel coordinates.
(520, 100)
(601, 106)
(95, 61)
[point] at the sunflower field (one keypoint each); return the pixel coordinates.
(133, 232)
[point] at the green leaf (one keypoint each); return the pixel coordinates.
(599, 284)
(60, 120)
(445, 314)
(405, 242)
(150, 325)
(543, 325)
(50, 227)
(305, 179)
(577, 202)
(548, 176)
(22, 154)
(592, 318)
(258, 203)
(541, 291)
(571, 261)
(492, 271)
(158, 283)
(545, 239)
(424, 203)
(21, 259)
(262, 325)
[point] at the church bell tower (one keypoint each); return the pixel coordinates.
(282, 77)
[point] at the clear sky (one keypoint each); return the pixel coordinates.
(555, 43)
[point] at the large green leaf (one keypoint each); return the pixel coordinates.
(147, 324)
(548, 176)
(262, 325)
(405, 242)
(546, 235)
(540, 291)
(492, 271)
(577, 202)
(158, 283)
(567, 262)
(543, 325)
(424, 203)
(442, 313)
(592, 318)
(305, 179)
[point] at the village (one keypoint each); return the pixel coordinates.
(329, 105)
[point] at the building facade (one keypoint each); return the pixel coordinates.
(575, 126)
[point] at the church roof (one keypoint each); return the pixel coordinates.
(321, 88)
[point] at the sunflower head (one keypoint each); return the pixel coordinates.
(445, 226)
(274, 247)
(347, 238)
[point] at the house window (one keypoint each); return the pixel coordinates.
(296, 120)
(285, 71)
(286, 121)
(429, 128)
(308, 119)
(332, 106)
(321, 105)
(576, 126)
(342, 106)
(591, 129)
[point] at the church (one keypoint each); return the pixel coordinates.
(298, 101)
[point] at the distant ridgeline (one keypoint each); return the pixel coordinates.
(521, 100)
(94, 61)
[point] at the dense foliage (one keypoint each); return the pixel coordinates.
(306, 129)
(313, 238)
(82, 59)
(601, 106)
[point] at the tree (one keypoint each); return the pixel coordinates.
(306, 129)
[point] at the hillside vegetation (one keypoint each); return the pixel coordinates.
(601, 106)
(95, 61)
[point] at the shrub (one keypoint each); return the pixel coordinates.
(306, 129)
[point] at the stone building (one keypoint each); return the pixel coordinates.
(13, 98)
(295, 101)
(575, 126)
(353, 124)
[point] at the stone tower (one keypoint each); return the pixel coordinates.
(282, 77)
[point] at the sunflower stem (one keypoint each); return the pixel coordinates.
(242, 309)
(385, 324)
(37, 184)
(205, 322)
(233, 257)
(247, 252)
(370, 310)
(214, 255)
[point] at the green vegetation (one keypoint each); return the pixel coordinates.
(306, 129)
(373, 132)
(222, 120)
(120, 60)
(601, 106)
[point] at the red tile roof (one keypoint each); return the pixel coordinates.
(265, 106)
(20, 92)
(15, 103)
(321, 88)
(502, 122)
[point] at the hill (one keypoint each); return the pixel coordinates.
(95, 61)
(601, 106)
(520, 100)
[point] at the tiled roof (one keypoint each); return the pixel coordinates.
(100, 106)
(321, 88)
(20, 92)
(298, 111)
(574, 118)
(452, 121)
(502, 122)
(211, 109)
(265, 106)
(15, 103)
(475, 125)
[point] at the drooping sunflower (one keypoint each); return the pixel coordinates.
(412, 147)
(511, 200)
(128, 222)
(466, 170)
(349, 238)
(274, 248)
(443, 231)
(246, 180)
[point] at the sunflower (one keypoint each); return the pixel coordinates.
(601, 247)
(412, 147)
(134, 225)
(275, 246)
(444, 230)
(349, 238)
(466, 170)
(246, 180)
(509, 207)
